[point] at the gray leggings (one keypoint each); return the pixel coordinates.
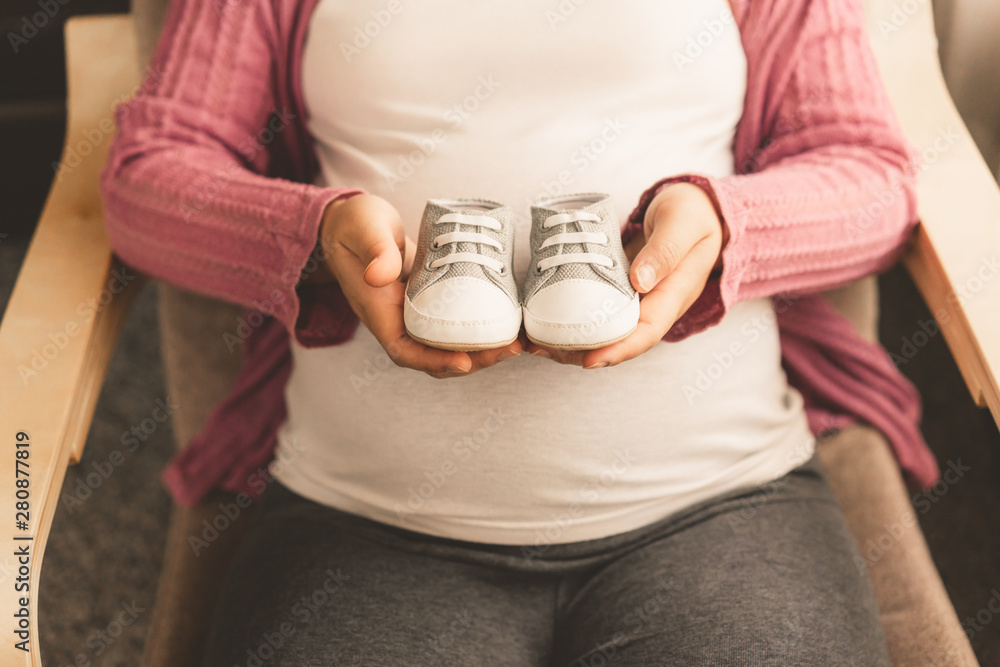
(766, 576)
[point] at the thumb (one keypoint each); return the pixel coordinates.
(382, 257)
(658, 258)
(376, 237)
(673, 229)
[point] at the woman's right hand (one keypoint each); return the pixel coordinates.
(368, 253)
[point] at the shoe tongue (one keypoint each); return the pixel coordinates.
(577, 270)
(468, 246)
(470, 268)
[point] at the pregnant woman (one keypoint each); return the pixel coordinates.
(656, 501)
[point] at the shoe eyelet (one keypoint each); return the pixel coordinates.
(502, 271)
(538, 269)
(435, 246)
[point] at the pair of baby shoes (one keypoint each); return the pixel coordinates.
(462, 294)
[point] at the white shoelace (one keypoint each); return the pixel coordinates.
(573, 237)
(467, 237)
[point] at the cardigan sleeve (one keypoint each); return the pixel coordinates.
(187, 195)
(825, 193)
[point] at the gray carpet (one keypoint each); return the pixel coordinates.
(104, 556)
(105, 550)
(961, 521)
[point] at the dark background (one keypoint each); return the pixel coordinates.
(109, 550)
(33, 106)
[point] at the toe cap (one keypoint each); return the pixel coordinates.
(463, 299)
(578, 302)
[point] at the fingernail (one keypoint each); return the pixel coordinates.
(456, 368)
(599, 364)
(646, 276)
(541, 354)
(508, 354)
(370, 264)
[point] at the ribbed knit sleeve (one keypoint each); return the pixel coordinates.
(187, 194)
(825, 193)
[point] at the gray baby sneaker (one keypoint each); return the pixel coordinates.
(577, 294)
(461, 294)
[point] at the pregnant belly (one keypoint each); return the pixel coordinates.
(523, 441)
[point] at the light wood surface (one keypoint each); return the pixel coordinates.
(955, 257)
(55, 318)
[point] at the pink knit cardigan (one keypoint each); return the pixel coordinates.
(208, 186)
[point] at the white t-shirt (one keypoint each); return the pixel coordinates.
(509, 101)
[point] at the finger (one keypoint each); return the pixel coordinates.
(486, 358)
(655, 319)
(409, 253)
(559, 355)
(670, 240)
(376, 237)
(658, 311)
(381, 310)
(536, 350)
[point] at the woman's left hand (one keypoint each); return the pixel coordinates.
(672, 260)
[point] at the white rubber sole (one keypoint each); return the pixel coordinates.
(458, 335)
(583, 335)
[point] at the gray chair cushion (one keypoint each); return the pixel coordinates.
(920, 623)
(199, 367)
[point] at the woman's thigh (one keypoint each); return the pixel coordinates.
(307, 590)
(773, 583)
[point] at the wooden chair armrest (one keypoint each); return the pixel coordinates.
(955, 257)
(63, 319)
